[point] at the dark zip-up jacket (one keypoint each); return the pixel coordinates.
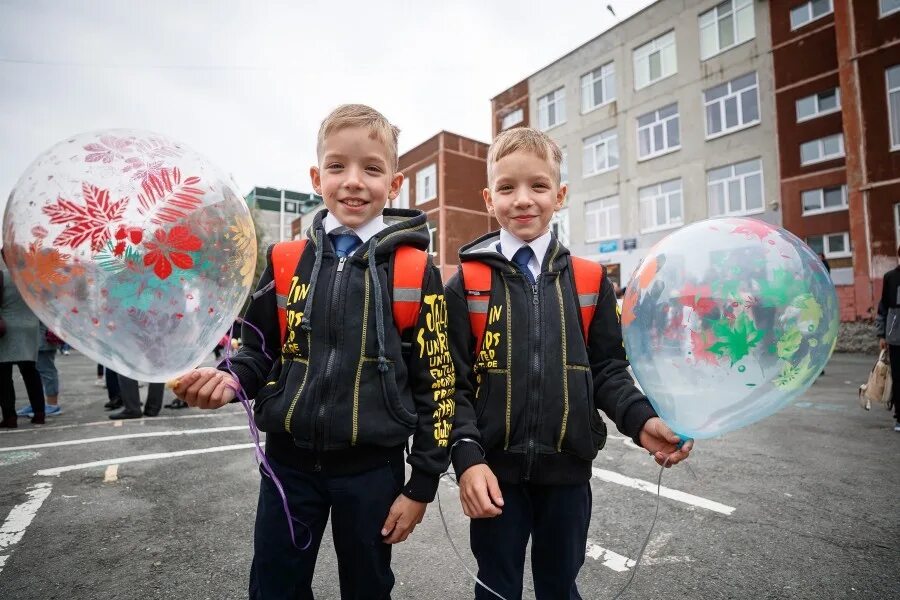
(887, 321)
(345, 392)
(528, 405)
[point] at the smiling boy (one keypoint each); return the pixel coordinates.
(340, 384)
(537, 345)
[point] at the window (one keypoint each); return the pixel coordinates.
(601, 152)
(598, 87)
(732, 106)
(889, 7)
(725, 26)
(822, 149)
(601, 219)
(810, 11)
(832, 245)
(552, 109)
(564, 166)
(661, 206)
(290, 207)
(559, 225)
(658, 132)
(819, 104)
(426, 184)
(655, 60)
(402, 200)
(513, 118)
(432, 238)
(824, 200)
(736, 189)
(893, 93)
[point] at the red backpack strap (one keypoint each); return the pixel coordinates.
(477, 282)
(409, 272)
(588, 275)
(285, 258)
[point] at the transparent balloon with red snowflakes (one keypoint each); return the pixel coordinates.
(133, 248)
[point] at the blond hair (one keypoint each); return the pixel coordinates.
(360, 115)
(524, 139)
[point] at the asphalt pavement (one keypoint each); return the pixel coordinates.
(803, 504)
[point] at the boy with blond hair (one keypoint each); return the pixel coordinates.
(537, 345)
(340, 383)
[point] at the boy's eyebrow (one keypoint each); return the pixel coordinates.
(334, 154)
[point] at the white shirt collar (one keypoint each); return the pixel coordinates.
(364, 232)
(510, 244)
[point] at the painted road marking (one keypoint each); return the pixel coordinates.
(620, 563)
(55, 472)
(148, 420)
(610, 559)
(112, 474)
(20, 518)
(646, 486)
(127, 436)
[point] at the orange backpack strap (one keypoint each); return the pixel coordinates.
(285, 258)
(477, 282)
(588, 276)
(409, 272)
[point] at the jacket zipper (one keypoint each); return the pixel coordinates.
(290, 412)
(534, 367)
(319, 434)
(565, 362)
(362, 359)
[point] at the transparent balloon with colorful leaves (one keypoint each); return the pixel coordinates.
(132, 247)
(726, 321)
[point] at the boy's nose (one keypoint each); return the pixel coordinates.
(352, 180)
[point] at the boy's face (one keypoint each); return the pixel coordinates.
(355, 176)
(524, 194)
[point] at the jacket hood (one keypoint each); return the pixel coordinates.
(484, 249)
(402, 227)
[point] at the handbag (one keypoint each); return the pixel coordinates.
(878, 388)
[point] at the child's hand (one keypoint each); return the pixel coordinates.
(403, 517)
(479, 492)
(663, 443)
(206, 387)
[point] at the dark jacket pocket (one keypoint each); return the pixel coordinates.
(492, 412)
(583, 432)
(377, 415)
(276, 402)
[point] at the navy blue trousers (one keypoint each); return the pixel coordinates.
(358, 504)
(556, 517)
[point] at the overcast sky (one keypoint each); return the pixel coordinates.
(247, 83)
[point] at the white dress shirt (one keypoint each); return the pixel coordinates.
(510, 244)
(364, 232)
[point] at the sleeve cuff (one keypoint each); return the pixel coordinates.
(639, 413)
(243, 374)
(465, 455)
(421, 486)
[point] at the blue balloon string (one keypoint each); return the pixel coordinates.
(261, 460)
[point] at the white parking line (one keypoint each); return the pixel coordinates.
(610, 559)
(127, 436)
(20, 518)
(646, 486)
(139, 458)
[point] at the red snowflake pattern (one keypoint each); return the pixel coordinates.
(168, 249)
(90, 221)
(166, 198)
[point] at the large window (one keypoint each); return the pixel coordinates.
(735, 189)
(824, 200)
(658, 132)
(819, 104)
(598, 87)
(402, 200)
(732, 106)
(552, 109)
(893, 94)
(822, 149)
(513, 118)
(661, 206)
(426, 184)
(727, 25)
(832, 245)
(564, 166)
(655, 60)
(810, 11)
(601, 152)
(559, 225)
(888, 7)
(601, 219)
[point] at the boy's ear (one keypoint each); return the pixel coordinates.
(396, 184)
(488, 200)
(316, 179)
(561, 196)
